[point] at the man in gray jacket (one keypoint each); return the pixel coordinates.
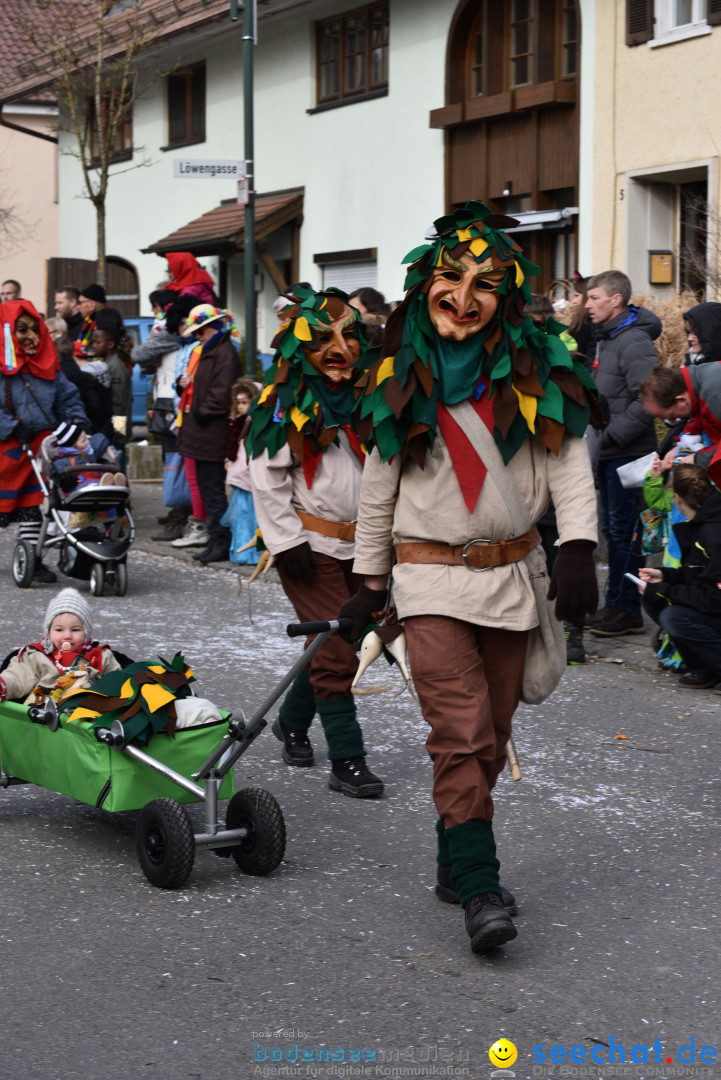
(625, 355)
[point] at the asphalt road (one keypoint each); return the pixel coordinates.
(611, 845)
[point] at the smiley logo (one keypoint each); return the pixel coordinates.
(503, 1054)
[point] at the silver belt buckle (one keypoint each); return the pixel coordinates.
(475, 569)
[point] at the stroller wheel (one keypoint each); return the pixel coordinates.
(121, 579)
(255, 810)
(23, 564)
(97, 579)
(165, 843)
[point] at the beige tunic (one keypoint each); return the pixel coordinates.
(33, 668)
(427, 504)
(279, 488)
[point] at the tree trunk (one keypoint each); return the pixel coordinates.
(100, 220)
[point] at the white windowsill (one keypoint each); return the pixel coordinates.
(681, 33)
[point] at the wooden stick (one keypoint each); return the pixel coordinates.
(512, 757)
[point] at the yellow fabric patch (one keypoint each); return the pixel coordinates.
(156, 696)
(299, 418)
(439, 260)
(82, 714)
(127, 690)
(528, 404)
(463, 235)
(520, 276)
(302, 329)
(265, 393)
(478, 246)
(386, 369)
(80, 690)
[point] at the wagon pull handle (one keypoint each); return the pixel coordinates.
(303, 628)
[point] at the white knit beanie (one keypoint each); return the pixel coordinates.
(67, 600)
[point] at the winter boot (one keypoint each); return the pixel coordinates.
(474, 869)
(574, 643)
(352, 776)
(294, 719)
(195, 534)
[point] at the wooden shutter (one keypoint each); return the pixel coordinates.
(713, 12)
(639, 21)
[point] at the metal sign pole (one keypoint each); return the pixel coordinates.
(249, 31)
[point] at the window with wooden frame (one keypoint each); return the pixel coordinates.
(122, 132)
(518, 43)
(352, 55)
(663, 22)
(186, 106)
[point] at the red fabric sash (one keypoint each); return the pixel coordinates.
(467, 465)
(311, 461)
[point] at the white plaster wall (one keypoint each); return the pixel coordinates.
(372, 171)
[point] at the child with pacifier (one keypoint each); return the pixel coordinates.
(66, 656)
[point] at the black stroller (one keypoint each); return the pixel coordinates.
(96, 552)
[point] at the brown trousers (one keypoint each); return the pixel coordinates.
(468, 679)
(333, 667)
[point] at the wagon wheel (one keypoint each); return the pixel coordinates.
(121, 579)
(97, 579)
(257, 811)
(23, 564)
(165, 843)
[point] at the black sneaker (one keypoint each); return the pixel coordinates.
(574, 644)
(619, 623)
(351, 776)
(214, 553)
(296, 746)
(44, 575)
(697, 680)
(488, 924)
(446, 891)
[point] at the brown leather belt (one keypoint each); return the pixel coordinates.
(340, 530)
(475, 555)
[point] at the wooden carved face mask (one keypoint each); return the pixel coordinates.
(335, 347)
(462, 296)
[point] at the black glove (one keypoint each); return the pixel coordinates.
(298, 563)
(573, 581)
(360, 609)
(23, 432)
(202, 418)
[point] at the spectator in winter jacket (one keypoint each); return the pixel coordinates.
(93, 383)
(683, 393)
(188, 278)
(703, 330)
(204, 431)
(625, 355)
(36, 397)
(67, 306)
(106, 345)
(92, 300)
(686, 601)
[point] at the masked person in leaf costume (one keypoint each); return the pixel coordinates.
(305, 467)
(460, 343)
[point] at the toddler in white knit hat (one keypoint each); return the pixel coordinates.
(65, 657)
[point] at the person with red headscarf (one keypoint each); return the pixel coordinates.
(35, 397)
(188, 278)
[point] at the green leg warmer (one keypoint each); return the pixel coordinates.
(342, 730)
(443, 858)
(298, 708)
(473, 859)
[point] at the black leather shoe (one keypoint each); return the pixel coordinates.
(487, 922)
(446, 891)
(44, 575)
(351, 776)
(697, 680)
(296, 746)
(215, 553)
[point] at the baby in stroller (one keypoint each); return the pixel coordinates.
(65, 658)
(70, 445)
